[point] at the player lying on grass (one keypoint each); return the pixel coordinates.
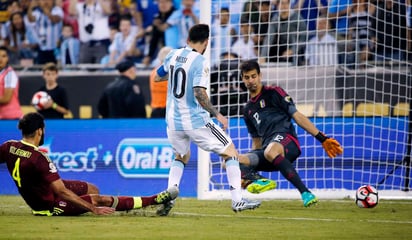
(268, 116)
(40, 185)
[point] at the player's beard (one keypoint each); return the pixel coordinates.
(252, 88)
(41, 139)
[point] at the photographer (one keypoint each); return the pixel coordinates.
(92, 15)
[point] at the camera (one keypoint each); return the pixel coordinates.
(89, 28)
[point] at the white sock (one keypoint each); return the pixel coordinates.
(233, 177)
(175, 173)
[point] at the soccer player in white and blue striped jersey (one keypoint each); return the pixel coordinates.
(188, 111)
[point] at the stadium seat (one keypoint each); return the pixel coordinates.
(347, 110)
(148, 111)
(401, 109)
(306, 109)
(27, 109)
(372, 109)
(85, 111)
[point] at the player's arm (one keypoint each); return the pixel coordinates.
(61, 190)
(8, 93)
(161, 74)
(204, 101)
(331, 146)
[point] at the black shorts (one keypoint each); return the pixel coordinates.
(291, 148)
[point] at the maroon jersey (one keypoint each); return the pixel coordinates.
(32, 172)
(269, 113)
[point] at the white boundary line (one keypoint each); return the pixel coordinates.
(174, 213)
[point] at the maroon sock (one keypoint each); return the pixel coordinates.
(147, 201)
(124, 203)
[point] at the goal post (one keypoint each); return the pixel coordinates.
(365, 103)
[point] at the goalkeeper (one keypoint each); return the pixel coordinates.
(268, 116)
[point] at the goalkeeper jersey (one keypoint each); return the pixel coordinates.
(268, 113)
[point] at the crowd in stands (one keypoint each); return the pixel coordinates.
(292, 31)
(315, 32)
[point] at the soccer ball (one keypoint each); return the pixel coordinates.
(367, 197)
(40, 99)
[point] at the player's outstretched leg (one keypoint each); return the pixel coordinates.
(166, 198)
(309, 199)
(167, 195)
(253, 182)
(245, 204)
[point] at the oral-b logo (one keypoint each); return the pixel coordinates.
(141, 158)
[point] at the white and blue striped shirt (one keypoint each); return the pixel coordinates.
(187, 69)
(48, 32)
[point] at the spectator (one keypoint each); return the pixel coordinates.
(250, 11)
(25, 5)
(339, 12)
(180, 22)
(158, 90)
(389, 26)
(47, 19)
(69, 19)
(20, 40)
(106, 58)
(123, 97)
(223, 34)
(94, 31)
(244, 46)
(261, 27)
(116, 12)
(123, 43)
(159, 26)
(322, 48)
(70, 47)
(310, 10)
(14, 6)
(146, 10)
(360, 25)
(287, 31)
(58, 106)
(9, 88)
(142, 13)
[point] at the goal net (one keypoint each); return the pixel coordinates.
(351, 75)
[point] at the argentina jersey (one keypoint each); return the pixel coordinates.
(187, 69)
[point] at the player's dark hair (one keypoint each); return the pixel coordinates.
(224, 9)
(249, 66)
(3, 48)
(30, 122)
(199, 33)
(50, 67)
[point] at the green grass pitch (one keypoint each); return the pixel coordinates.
(198, 219)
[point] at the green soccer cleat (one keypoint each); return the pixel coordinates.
(261, 185)
(309, 199)
(167, 195)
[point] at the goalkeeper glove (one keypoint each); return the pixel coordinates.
(331, 146)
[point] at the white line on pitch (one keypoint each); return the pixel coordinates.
(295, 219)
